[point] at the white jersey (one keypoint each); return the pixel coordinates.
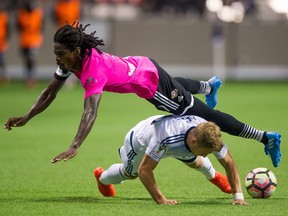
(170, 133)
(159, 137)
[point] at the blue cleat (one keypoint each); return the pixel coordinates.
(273, 147)
(212, 98)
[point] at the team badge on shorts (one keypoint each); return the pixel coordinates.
(174, 93)
(180, 98)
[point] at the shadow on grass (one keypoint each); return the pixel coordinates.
(117, 200)
(88, 199)
(225, 201)
(73, 199)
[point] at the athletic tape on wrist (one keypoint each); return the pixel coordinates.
(238, 196)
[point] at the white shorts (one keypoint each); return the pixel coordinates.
(131, 154)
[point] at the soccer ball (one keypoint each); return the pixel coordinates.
(260, 183)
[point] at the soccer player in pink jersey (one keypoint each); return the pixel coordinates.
(78, 53)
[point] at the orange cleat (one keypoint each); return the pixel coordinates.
(221, 181)
(106, 190)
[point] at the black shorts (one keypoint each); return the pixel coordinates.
(171, 95)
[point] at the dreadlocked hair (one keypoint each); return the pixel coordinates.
(73, 36)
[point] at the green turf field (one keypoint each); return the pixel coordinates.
(31, 185)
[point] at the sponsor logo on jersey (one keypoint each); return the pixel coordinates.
(90, 80)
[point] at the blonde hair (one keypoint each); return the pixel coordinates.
(208, 134)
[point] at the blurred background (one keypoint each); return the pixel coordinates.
(235, 39)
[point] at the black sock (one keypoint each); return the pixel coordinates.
(264, 139)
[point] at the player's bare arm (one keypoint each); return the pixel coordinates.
(145, 173)
(234, 179)
(87, 121)
(46, 97)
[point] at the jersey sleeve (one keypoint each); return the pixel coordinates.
(222, 153)
(94, 85)
(155, 151)
(59, 75)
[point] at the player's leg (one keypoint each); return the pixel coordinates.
(118, 173)
(231, 125)
(30, 56)
(105, 189)
(204, 166)
(194, 86)
(3, 72)
(172, 97)
(208, 88)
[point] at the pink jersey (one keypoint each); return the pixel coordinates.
(106, 72)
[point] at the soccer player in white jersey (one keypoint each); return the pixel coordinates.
(187, 138)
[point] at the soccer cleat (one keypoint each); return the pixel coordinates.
(212, 98)
(273, 147)
(106, 190)
(221, 181)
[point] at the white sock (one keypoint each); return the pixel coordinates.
(113, 175)
(207, 169)
(205, 88)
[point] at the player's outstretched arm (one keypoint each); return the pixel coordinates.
(145, 173)
(234, 178)
(89, 115)
(44, 100)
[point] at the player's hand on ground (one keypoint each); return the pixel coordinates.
(68, 154)
(15, 122)
(169, 202)
(239, 202)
